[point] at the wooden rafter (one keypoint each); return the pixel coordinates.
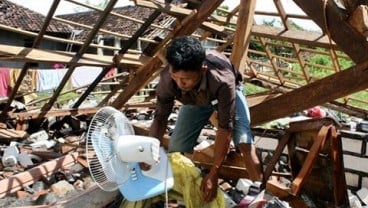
(282, 14)
(316, 93)
(22, 54)
(78, 56)
(241, 37)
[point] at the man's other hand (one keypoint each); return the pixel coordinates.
(209, 186)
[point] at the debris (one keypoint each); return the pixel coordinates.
(363, 195)
(10, 156)
(61, 187)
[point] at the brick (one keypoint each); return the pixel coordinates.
(39, 194)
(22, 194)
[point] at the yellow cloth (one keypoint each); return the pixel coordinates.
(28, 85)
(187, 182)
(29, 82)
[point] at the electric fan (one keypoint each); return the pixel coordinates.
(114, 154)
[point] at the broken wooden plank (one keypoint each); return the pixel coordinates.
(23, 179)
(11, 134)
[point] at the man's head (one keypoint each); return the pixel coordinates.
(185, 56)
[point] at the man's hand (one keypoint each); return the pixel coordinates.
(209, 186)
(144, 166)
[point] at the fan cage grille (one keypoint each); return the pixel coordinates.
(105, 168)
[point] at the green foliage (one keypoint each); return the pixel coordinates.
(270, 23)
(62, 99)
(220, 12)
(295, 26)
(250, 89)
(323, 60)
(345, 63)
(363, 95)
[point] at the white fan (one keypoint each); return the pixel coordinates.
(114, 154)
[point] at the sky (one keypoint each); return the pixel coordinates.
(42, 6)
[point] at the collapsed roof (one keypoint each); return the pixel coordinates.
(274, 55)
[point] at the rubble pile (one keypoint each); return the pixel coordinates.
(46, 166)
(42, 167)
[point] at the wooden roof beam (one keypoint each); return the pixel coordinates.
(22, 54)
(242, 34)
(78, 56)
(337, 26)
(282, 14)
(316, 93)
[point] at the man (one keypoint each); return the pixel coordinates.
(204, 82)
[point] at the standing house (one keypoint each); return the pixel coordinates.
(20, 25)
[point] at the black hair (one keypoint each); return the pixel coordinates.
(185, 53)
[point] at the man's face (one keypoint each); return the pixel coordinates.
(187, 80)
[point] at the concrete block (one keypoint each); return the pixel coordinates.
(352, 145)
(39, 136)
(10, 156)
(25, 160)
(43, 144)
(39, 185)
(365, 182)
(352, 179)
(356, 163)
(243, 185)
